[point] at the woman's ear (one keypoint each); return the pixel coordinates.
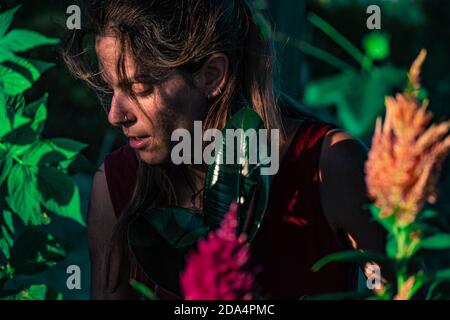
(213, 74)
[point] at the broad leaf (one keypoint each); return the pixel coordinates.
(13, 82)
(438, 241)
(239, 182)
(19, 40)
(59, 194)
(22, 194)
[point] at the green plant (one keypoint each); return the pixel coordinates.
(401, 174)
(34, 179)
(357, 93)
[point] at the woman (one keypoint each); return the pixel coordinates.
(166, 64)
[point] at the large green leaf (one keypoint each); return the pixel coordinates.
(35, 251)
(59, 194)
(160, 238)
(22, 194)
(226, 183)
(19, 40)
(438, 241)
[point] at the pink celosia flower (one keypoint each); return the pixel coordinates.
(406, 155)
(219, 269)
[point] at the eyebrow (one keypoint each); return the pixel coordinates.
(140, 78)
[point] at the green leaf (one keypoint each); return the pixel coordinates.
(227, 183)
(143, 289)
(19, 40)
(438, 241)
(358, 97)
(6, 20)
(6, 163)
(352, 256)
(36, 111)
(8, 220)
(13, 82)
(68, 147)
(35, 251)
(43, 153)
(342, 296)
(22, 194)
(166, 233)
(442, 275)
(34, 292)
(59, 194)
(391, 247)
(6, 125)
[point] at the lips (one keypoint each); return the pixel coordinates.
(138, 142)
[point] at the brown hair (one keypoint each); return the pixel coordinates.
(167, 35)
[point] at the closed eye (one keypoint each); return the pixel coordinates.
(142, 89)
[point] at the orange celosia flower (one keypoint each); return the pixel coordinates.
(406, 154)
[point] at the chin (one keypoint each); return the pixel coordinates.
(153, 157)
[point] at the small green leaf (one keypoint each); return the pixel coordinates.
(19, 40)
(22, 194)
(438, 241)
(143, 289)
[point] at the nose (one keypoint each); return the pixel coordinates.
(119, 114)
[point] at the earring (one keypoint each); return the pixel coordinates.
(125, 118)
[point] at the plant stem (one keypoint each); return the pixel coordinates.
(337, 37)
(313, 51)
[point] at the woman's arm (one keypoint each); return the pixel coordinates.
(101, 221)
(343, 191)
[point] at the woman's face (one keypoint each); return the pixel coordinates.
(165, 107)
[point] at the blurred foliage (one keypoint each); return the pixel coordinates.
(34, 171)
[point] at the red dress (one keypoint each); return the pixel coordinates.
(294, 233)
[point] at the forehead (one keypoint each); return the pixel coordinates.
(108, 49)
